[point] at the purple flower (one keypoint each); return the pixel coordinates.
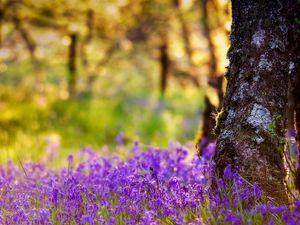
(208, 151)
(86, 219)
(290, 133)
(148, 187)
(276, 209)
(297, 203)
(70, 159)
(289, 220)
(220, 183)
(120, 138)
(173, 182)
(232, 218)
(262, 208)
(148, 217)
(135, 147)
(228, 173)
(204, 140)
(256, 190)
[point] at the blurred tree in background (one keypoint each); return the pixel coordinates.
(76, 72)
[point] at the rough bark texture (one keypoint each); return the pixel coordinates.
(297, 178)
(295, 92)
(294, 72)
(251, 124)
(206, 134)
(290, 112)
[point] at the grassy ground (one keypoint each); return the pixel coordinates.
(129, 102)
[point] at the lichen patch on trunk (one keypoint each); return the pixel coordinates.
(259, 140)
(258, 38)
(264, 63)
(291, 67)
(260, 117)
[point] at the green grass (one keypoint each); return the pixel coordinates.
(129, 102)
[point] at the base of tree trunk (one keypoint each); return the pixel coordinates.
(251, 126)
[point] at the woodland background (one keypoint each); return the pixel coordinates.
(77, 73)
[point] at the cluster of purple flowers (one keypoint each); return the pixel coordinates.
(156, 186)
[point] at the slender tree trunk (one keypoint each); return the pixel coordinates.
(88, 38)
(185, 32)
(1, 21)
(251, 124)
(26, 37)
(211, 47)
(31, 46)
(215, 81)
(205, 136)
(164, 64)
(91, 74)
(72, 63)
(94, 73)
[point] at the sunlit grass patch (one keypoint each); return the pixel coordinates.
(28, 118)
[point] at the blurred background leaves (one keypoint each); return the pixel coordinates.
(77, 72)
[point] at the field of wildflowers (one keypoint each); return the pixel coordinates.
(149, 186)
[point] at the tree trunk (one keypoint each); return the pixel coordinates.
(31, 46)
(295, 93)
(88, 38)
(185, 32)
(72, 63)
(26, 37)
(207, 34)
(1, 21)
(207, 134)
(290, 111)
(164, 64)
(250, 126)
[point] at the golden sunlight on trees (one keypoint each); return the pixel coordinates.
(59, 50)
(116, 112)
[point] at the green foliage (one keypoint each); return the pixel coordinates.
(28, 120)
(117, 68)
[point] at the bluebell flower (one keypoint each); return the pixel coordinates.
(120, 138)
(208, 151)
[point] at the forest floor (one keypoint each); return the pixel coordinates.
(31, 122)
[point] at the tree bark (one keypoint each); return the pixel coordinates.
(1, 21)
(207, 134)
(250, 126)
(26, 37)
(72, 63)
(31, 46)
(164, 64)
(295, 97)
(207, 34)
(88, 38)
(185, 32)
